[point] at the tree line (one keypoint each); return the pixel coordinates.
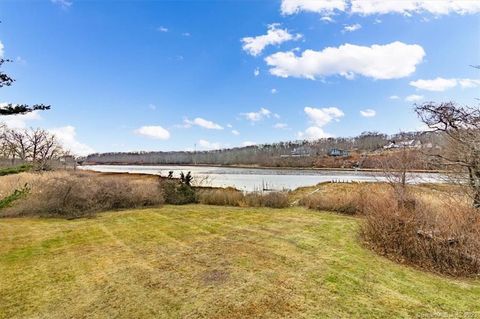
(302, 153)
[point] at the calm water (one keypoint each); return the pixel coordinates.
(251, 179)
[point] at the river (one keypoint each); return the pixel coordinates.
(254, 179)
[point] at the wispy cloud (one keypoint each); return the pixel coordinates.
(441, 84)
(371, 7)
(280, 126)
(162, 29)
(153, 131)
(368, 113)
(414, 98)
(62, 3)
(257, 116)
(209, 145)
(202, 123)
(255, 45)
(352, 27)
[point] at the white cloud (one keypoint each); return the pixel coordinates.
(389, 61)
(274, 91)
(327, 19)
(440, 84)
(394, 97)
(255, 45)
(325, 7)
(229, 125)
(321, 117)
(209, 145)
(186, 34)
(352, 27)
(414, 98)
(248, 143)
(257, 116)
(313, 133)
(280, 125)
(62, 3)
(409, 7)
(19, 121)
(256, 72)
(368, 113)
(162, 29)
(67, 136)
(2, 47)
(152, 107)
(369, 7)
(203, 123)
(155, 132)
(235, 132)
(468, 83)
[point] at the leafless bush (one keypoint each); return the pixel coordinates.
(273, 200)
(222, 197)
(72, 195)
(441, 236)
(346, 199)
(233, 197)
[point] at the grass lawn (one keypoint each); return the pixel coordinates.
(213, 262)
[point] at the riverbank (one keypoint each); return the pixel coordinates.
(326, 169)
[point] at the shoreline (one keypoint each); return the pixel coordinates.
(326, 169)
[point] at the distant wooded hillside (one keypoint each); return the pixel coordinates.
(360, 151)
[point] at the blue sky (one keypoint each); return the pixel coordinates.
(169, 75)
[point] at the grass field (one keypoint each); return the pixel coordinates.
(213, 262)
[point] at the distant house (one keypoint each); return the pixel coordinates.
(403, 144)
(338, 152)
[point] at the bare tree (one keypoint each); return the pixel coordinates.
(461, 128)
(397, 167)
(37, 146)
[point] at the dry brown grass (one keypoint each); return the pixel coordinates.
(437, 231)
(233, 197)
(76, 194)
(342, 198)
(436, 228)
(221, 197)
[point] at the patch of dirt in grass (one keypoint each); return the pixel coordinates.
(215, 277)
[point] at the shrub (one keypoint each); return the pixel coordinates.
(221, 197)
(71, 195)
(346, 199)
(273, 200)
(439, 236)
(177, 193)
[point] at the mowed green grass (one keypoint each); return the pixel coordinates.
(212, 262)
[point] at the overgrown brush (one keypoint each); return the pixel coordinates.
(272, 200)
(221, 197)
(347, 199)
(441, 236)
(71, 195)
(233, 197)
